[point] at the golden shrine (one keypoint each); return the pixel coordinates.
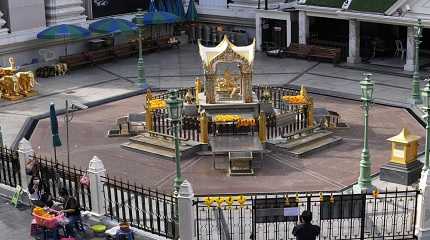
(403, 167)
(223, 86)
(16, 85)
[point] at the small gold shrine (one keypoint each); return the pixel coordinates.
(404, 147)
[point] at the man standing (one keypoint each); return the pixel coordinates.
(306, 230)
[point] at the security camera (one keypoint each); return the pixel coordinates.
(407, 8)
(79, 106)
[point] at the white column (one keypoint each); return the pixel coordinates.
(185, 210)
(64, 11)
(423, 211)
(3, 30)
(288, 30)
(96, 171)
(410, 50)
(25, 153)
(354, 42)
(258, 32)
(303, 27)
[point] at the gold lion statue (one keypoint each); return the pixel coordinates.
(9, 86)
(26, 82)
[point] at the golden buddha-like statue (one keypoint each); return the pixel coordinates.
(228, 83)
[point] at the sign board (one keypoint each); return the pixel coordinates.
(291, 212)
(102, 8)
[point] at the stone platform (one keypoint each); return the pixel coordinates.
(161, 146)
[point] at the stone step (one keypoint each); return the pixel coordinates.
(305, 140)
(314, 146)
(142, 148)
(160, 142)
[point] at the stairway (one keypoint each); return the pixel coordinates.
(306, 144)
(161, 146)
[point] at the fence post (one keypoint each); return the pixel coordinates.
(185, 209)
(262, 129)
(423, 213)
(25, 152)
(203, 128)
(96, 171)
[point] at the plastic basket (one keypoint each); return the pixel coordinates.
(51, 222)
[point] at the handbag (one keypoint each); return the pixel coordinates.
(30, 166)
(85, 180)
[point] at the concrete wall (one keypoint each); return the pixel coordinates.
(26, 14)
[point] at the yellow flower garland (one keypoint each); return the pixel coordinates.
(226, 118)
(157, 104)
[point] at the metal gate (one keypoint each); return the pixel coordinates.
(340, 215)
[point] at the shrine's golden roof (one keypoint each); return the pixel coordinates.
(404, 137)
(209, 53)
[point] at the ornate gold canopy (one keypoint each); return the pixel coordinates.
(226, 51)
(243, 53)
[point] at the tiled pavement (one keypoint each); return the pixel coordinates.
(14, 223)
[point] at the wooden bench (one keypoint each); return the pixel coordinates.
(101, 55)
(325, 53)
(75, 61)
(298, 50)
(125, 50)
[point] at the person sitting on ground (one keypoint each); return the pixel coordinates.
(306, 230)
(71, 211)
(35, 191)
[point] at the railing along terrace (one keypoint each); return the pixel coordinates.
(387, 215)
(142, 207)
(9, 167)
(55, 176)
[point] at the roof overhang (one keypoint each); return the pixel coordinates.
(208, 54)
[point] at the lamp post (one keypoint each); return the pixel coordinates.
(365, 181)
(426, 109)
(174, 106)
(416, 95)
(141, 81)
(68, 119)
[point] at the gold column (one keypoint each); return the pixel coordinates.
(148, 115)
(262, 129)
(310, 112)
(204, 136)
(198, 86)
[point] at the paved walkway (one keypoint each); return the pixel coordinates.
(14, 223)
(178, 68)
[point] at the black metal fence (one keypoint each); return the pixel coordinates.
(191, 125)
(9, 167)
(56, 176)
(142, 207)
(388, 215)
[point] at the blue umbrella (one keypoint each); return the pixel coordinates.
(64, 31)
(160, 6)
(191, 15)
(112, 25)
(157, 17)
(180, 12)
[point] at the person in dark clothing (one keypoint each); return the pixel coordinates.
(306, 230)
(71, 211)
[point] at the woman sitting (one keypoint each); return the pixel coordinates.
(71, 211)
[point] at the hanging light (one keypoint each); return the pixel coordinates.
(174, 105)
(366, 88)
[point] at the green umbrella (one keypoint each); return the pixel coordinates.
(64, 31)
(191, 15)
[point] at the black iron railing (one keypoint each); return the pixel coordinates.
(388, 215)
(56, 176)
(142, 207)
(9, 167)
(191, 124)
